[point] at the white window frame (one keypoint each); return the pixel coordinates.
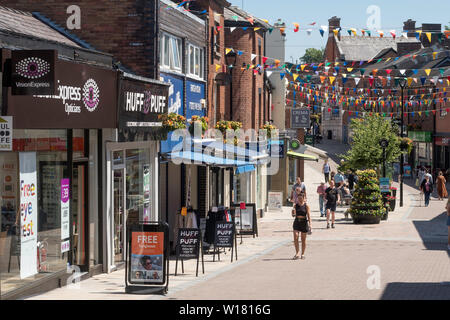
(198, 57)
(171, 52)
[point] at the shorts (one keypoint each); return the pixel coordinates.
(331, 207)
(300, 225)
(448, 221)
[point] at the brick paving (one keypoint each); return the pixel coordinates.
(410, 250)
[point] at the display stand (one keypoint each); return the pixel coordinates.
(147, 266)
(225, 238)
(189, 245)
(253, 229)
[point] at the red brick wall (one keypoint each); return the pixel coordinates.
(247, 107)
(122, 28)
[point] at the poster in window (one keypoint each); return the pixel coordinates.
(146, 187)
(147, 257)
(65, 209)
(28, 214)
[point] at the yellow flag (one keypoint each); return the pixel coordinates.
(410, 80)
(218, 66)
(428, 71)
(228, 50)
(295, 76)
(434, 55)
(428, 36)
(332, 79)
(256, 29)
(303, 66)
(349, 69)
(336, 32)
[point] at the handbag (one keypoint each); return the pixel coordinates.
(417, 182)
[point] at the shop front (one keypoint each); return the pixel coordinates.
(132, 163)
(443, 153)
(422, 154)
(49, 173)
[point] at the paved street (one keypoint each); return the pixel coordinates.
(409, 252)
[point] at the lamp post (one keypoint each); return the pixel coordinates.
(402, 84)
(384, 143)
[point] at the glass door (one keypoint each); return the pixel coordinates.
(119, 215)
(79, 214)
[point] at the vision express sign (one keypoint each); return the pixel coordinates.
(85, 97)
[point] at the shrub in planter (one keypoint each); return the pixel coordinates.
(367, 206)
(172, 121)
(198, 121)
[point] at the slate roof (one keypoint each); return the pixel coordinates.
(23, 23)
(242, 16)
(364, 48)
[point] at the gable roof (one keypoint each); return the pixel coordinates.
(363, 48)
(233, 12)
(23, 23)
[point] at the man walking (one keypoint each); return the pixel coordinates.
(326, 169)
(321, 191)
(298, 184)
(332, 197)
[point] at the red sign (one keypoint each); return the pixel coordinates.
(443, 141)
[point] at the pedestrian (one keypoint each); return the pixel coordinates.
(326, 169)
(332, 198)
(332, 174)
(302, 216)
(427, 189)
(338, 178)
(321, 191)
(420, 176)
(351, 179)
(441, 189)
(298, 184)
(428, 174)
(448, 222)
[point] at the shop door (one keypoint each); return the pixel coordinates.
(80, 215)
(119, 218)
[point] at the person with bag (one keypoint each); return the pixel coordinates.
(441, 189)
(427, 188)
(302, 225)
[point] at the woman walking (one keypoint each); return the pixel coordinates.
(427, 188)
(302, 217)
(441, 189)
(448, 222)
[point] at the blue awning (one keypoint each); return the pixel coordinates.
(244, 169)
(197, 158)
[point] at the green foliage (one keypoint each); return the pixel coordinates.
(366, 152)
(313, 55)
(367, 198)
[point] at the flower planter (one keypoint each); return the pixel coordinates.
(365, 219)
(392, 204)
(385, 215)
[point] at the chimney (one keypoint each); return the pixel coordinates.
(434, 29)
(410, 28)
(333, 24)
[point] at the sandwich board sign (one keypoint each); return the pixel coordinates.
(6, 133)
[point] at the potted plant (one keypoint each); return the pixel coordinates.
(224, 125)
(393, 191)
(172, 121)
(367, 205)
(406, 144)
(198, 121)
(391, 200)
(269, 128)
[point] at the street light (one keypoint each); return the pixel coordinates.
(384, 143)
(402, 83)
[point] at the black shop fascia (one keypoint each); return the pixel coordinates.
(141, 102)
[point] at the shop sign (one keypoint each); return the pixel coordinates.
(195, 97)
(443, 141)
(6, 133)
(385, 185)
(33, 72)
(421, 136)
(300, 118)
(309, 139)
(224, 235)
(141, 103)
(176, 93)
(188, 243)
(85, 97)
(147, 257)
(28, 214)
(65, 246)
(65, 209)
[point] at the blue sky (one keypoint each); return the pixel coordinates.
(353, 14)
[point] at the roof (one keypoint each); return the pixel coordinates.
(233, 12)
(363, 48)
(23, 23)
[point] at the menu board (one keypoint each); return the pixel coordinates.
(224, 235)
(147, 257)
(188, 243)
(246, 217)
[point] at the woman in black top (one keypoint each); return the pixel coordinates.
(301, 214)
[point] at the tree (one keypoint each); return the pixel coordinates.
(366, 152)
(313, 55)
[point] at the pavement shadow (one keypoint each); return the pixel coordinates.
(416, 291)
(434, 232)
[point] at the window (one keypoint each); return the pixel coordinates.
(170, 52)
(196, 61)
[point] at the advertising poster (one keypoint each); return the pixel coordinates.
(188, 243)
(147, 257)
(385, 185)
(246, 216)
(224, 235)
(176, 96)
(65, 209)
(28, 214)
(6, 133)
(195, 93)
(407, 171)
(146, 187)
(275, 201)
